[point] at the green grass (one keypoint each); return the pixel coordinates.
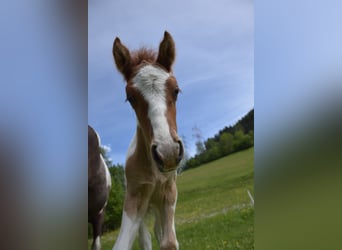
(213, 208)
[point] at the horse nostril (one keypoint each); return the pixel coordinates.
(181, 152)
(156, 155)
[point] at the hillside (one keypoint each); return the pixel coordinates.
(226, 142)
(213, 208)
(229, 140)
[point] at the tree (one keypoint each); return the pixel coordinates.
(113, 210)
(226, 143)
(214, 153)
(242, 141)
(210, 143)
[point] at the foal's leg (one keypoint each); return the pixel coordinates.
(157, 226)
(169, 239)
(167, 214)
(97, 229)
(144, 237)
(128, 231)
(135, 208)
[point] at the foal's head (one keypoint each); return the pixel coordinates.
(152, 92)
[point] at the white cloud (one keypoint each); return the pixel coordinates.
(107, 148)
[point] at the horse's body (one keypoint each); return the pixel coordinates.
(99, 184)
(156, 149)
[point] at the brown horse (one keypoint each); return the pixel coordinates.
(99, 184)
(156, 149)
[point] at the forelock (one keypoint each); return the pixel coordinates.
(141, 55)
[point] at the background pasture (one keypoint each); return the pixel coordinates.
(213, 209)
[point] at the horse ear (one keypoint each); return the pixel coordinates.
(122, 58)
(167, 52)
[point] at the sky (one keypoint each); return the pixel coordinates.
(43, 99)
(214, 64)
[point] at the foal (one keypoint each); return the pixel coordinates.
(99, 184)
(156, 150)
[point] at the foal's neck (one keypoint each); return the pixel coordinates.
(143, 147)
(143, 153)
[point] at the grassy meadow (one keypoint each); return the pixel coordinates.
(213, 210)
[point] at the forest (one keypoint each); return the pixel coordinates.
(229, 140)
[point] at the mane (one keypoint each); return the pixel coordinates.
(143, 54)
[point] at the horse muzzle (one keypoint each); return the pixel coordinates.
(167, 156)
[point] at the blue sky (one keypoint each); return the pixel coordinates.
(214, 65)
(43, 102)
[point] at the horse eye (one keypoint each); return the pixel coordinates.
(130, 99)
(175, 93)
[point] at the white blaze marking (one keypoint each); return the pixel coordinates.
(150, 81)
